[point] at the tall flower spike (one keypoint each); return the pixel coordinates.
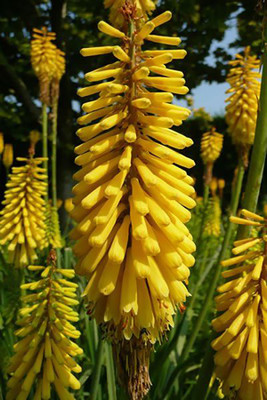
(242, 107)
(117, 7)
(53, 235)
(44, 353)
(133, 196)
(211, 147)
(241, 359)
(44, 60)
(213, 219)
(22, 221)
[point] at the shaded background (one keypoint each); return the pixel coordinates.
(211, 33)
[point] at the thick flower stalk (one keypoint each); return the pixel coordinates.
(240, 359)
(44, 60)
(211, 147)
(133, 195)
(242, 107)
(22, 220)
(8, 155)
(143, 8)
(44, 354)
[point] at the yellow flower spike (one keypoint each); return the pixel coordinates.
(213, 221)
(132, 197)
(239, 360)
(22, 220)
(8, 155)
(1, 143)
(211, 146)
(53, 235)
(43, 357)
(242, 104)
(43, 59)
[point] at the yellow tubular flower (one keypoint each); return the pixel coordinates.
(1, 143)
(53, 234)
(44, 60)
(68, 205)
(241, 359)
(8, 155)
(242, 107)
(44, 354)
(117, 8)
(22, 222)
(213, 220)
(132, 197)
(211, 146)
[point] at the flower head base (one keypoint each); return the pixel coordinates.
(242, 108)
(143, 9)
(8, 155)
(133, 195)
(22, 222)
(240, 359)
(44, 354)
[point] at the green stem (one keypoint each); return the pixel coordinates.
(206, 194)
(97, 370)
(54, 153)
(227, 238)
(44, 139)
(111, 382)
(252, 191)
(206, 191)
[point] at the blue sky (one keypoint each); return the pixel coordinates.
(212, 96)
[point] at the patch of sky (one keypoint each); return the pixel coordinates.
(212, 96)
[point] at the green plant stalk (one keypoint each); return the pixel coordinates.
(206, 191)
(111, 382)
(252, 191)
(45, 140)
(227, 239)
(97, 370)
(54, 153)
